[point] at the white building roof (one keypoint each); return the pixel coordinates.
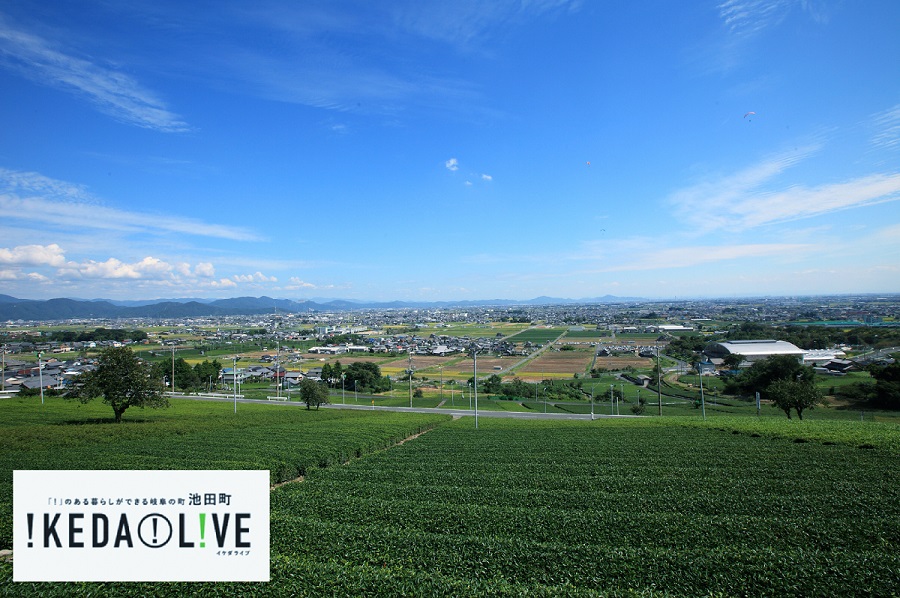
(760, 348)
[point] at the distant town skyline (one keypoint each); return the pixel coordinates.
(424, 151)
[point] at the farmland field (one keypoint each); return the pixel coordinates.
(557, 364)
(649, 506)
(537, 335)
(620, 362)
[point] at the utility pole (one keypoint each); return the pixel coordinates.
(658, 382)
(702, 401)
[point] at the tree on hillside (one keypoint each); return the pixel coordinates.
(887, 385)
(492, 384)
(313, 393)
(733, 361)
(793, 394)
(764, 372)
(123, 380)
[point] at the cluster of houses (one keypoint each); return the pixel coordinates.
(441, 345)
(54, 374)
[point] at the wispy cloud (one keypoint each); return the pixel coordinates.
(113, 92)
(313, 67)
(452, 164)
(464, 22)
(750, 198)
(747, 17)
(887, 124)
(29, 196)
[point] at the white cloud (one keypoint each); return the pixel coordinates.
(29, 196)
(452, 164)
(487, 177)
(113, 92)
(148, 268)
(205, 270)
(255, 277)
(296, 283)
(741, 200)
(33, 255)
(9, 274)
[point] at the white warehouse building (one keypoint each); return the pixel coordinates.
(753, 350)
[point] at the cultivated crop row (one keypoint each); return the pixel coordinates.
(607, 507)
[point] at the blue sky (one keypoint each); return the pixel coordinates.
(418, 150)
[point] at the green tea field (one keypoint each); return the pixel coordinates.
(636, 507)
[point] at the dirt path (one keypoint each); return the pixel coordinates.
(398, 443)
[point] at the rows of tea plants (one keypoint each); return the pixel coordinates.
(603, 506)
(636, 507)
(287, 440)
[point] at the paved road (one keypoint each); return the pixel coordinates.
(453, 412)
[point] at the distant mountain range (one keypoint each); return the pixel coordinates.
(12, 308)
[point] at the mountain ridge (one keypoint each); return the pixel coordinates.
(12, 308)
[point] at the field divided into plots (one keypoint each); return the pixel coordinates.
(634, 507)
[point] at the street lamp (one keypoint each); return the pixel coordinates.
(702, 400)
(343, 376)
(658, 382)
(234, 360)
(41, 375)
(3, 368)
(173, 368)
(612, 403)
(475, 382)
(592, 402)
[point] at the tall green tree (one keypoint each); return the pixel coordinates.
(327, 374)
(313, 393)
(887, 385)
(185, 377)
(208, 371)
(733, 361)
(363, 376)
(764, 372)
(123, 380)
(799, 395)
